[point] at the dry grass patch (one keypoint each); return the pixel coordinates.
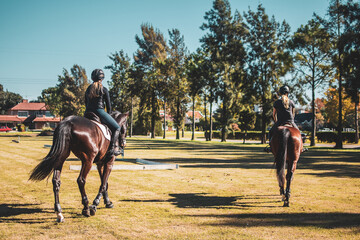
(220, 191)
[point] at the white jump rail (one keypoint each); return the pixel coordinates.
(141, 165)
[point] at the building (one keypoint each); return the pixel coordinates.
(32, 115)
(188, 118)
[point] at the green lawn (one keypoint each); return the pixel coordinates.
(220, 191)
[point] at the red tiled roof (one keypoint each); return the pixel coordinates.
(29, 106)
(46, 119)
(10, 118)
(197, 114)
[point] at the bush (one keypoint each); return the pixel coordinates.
(331, 137)
(251, 135)
(21, 128)
(46, 131)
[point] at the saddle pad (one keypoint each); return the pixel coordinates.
(105, 130)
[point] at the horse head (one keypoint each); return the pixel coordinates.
(121, 119)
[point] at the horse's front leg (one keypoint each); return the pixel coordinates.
(81, 182)
(98, 197)
(104, 175)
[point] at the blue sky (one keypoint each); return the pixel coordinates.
(39, 38)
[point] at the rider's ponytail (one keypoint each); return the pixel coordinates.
(285, 100)
(96, 89)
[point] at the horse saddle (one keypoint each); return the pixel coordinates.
(95, 119)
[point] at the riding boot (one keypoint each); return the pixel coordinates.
(114, 144)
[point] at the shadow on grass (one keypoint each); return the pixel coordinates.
(320, 220)
(10, 213)
(203, 200)
(329, 163)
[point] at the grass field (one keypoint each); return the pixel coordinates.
(220, 191)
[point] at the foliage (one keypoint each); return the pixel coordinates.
(68, 96)
(268, 59)
(8, 99)
(332, 107)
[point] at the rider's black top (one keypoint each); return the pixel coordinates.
(284, 115)
(97, 102)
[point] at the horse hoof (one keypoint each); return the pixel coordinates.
(109, 205)
(60, 218)
(92, 210)
(86, 212)
(286, 204)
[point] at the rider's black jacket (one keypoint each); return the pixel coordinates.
(284, 115)
(97, 102)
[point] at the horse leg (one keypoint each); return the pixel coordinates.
(56, 188)
(81, 182)
(98, 197)
(289, 177)
(104, 184)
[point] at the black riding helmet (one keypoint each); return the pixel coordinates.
(284, 89)
(97, 75)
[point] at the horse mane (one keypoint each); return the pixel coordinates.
(118, 116)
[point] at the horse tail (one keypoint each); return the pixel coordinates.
(58, 153)
(280, 159)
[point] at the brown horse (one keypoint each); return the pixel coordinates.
(82, 137)
(286, 146)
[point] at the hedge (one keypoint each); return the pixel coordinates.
(332, 136)
(256, 135)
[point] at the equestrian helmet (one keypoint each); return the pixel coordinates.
(97, 75)
(284, 89)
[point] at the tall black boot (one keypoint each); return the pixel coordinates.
(114, 143)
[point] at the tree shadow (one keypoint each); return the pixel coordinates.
(203, 200)
(321, 220)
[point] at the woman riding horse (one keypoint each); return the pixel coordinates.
(95, 97)
(283, 112)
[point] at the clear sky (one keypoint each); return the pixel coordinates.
(39, 38)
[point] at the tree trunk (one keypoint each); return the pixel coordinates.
(356, 122)
(211, 123)
(178, 114)
(206, 125)
(193, 120)
(131, 118)
(164, 136)
(313, 127)
(339, 142)
(153, 116)
(263, 127)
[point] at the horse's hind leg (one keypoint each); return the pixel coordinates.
(56, 188)
(289, 177)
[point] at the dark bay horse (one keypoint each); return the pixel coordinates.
(286, 146)
(84, 138)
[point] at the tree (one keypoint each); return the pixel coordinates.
(350, 41)
(332, 107)
(147, 76)
(312, 48)
(196, 81)
(247, 119)
(122, 91)
(68, 97)
(224, 43)
(8, 99)
(178, 85)
(268, 59)
(335, 25)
